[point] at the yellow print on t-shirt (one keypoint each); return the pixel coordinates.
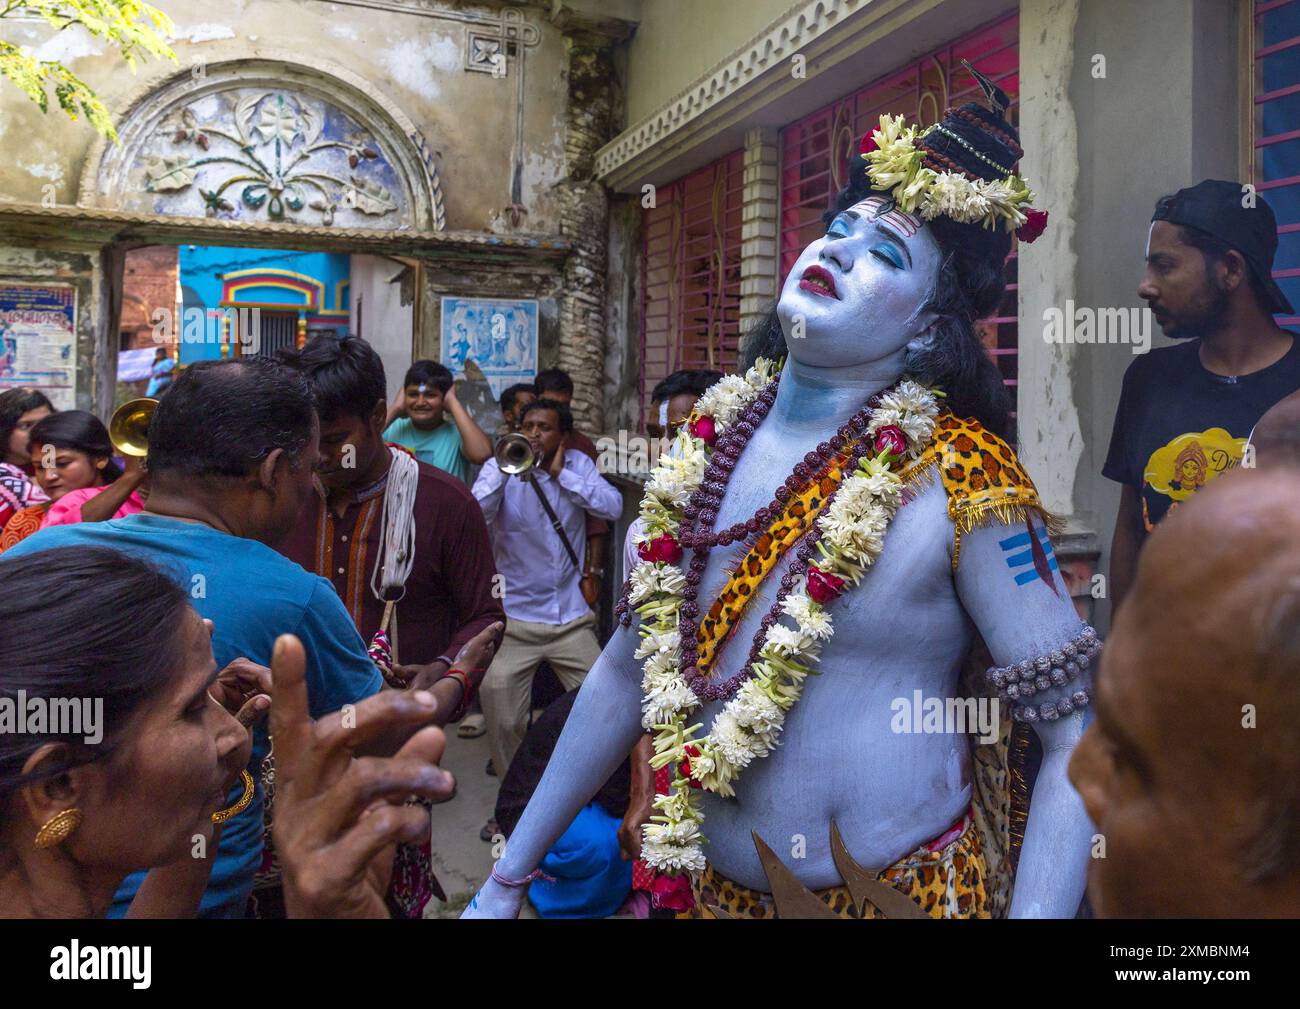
(1187, 463)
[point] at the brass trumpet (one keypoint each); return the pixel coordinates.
(128, 428)
(514, 454)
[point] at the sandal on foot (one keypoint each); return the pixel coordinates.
(472, 726)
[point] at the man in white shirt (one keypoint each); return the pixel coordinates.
(549, 619)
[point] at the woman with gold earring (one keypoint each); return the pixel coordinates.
(123, 747)
(108, 686)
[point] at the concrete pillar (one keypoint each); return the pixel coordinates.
(1119, 104)
(759, 230)
(1049, 429)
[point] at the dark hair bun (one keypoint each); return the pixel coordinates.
(974, 141)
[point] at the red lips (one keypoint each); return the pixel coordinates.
(818, 280)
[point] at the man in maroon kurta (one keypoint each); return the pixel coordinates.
(449, 594)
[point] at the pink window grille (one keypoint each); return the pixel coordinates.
(690, 280)
(817, 151)
(1275, 141)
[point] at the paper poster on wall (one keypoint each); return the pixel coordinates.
(38, 340)
(135, 365)
(500, 335)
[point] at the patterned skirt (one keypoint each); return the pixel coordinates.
(947, 882)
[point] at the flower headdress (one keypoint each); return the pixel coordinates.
(962, 167)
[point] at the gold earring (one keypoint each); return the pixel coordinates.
(58, 828)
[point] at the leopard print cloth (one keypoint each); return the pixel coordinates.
(948, 883)
(982, 476)
(798, 517)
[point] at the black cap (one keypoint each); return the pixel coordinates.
(1221, 209)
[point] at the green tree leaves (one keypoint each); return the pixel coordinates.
(135, 28)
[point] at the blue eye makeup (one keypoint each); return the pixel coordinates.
(889, 254)
(839, 228)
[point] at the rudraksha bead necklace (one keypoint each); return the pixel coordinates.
(701, 511)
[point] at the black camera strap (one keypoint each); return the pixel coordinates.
(555, 520)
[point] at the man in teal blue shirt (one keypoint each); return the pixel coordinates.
(417, 419)
(232, 448)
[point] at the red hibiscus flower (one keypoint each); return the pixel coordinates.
(684, 768)
(662, 548)
(1035, 224)
(705, 429)
(891, 439)
(822, 585)
(868, 143)
(672, 893)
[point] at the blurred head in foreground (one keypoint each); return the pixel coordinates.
(1191, 770)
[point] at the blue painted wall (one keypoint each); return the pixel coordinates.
(202, 269)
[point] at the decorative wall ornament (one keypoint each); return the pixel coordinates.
(269, 154)
(495, 43)
(267, 141)
(497, 334)
(482, 53)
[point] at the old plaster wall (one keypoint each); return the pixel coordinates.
(623, 316)
(1051, 439)
(412, 62)
(467, 118)
(377, 314)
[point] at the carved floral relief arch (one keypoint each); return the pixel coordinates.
(267, 140)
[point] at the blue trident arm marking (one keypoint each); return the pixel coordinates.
(1024, 555)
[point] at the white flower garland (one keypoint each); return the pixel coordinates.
(749, 726)
(896, 165)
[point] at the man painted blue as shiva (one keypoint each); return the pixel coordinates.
(838, 534)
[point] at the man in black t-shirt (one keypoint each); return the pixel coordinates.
(1185, 412)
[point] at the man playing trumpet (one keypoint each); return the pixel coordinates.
(539, 542)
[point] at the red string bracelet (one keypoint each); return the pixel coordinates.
(466, 693)
(515, 883)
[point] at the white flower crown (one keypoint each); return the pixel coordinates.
(894, 164)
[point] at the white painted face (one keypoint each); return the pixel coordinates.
(855, 295)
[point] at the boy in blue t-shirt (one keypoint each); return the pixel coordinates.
(417, 420)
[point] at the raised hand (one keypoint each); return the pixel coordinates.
(337, 817)
(243, 688)
(476, 654)
(557, 462)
